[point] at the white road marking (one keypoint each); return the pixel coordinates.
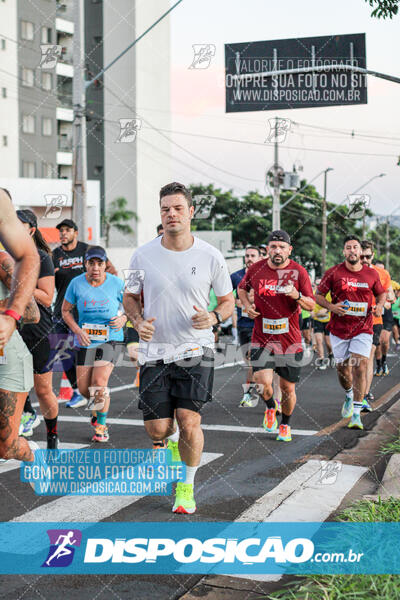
(301, 496)
(88, 509)
(233, 428)
(12, 464)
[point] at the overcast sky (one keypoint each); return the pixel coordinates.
(198, 100)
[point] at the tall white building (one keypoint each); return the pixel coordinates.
(36, 116)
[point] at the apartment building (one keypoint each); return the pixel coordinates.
(36, 110)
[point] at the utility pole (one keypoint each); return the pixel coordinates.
(79, 167)
(276, 208)
(324, 223)
(387, 244)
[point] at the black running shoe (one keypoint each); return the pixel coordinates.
(52, 441)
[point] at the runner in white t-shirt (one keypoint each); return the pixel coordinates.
(177, 272)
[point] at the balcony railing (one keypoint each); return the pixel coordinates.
(64, 144)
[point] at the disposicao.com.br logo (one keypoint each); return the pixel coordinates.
(62, 547)
(193, 550)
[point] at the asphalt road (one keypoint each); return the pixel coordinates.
(249, 463)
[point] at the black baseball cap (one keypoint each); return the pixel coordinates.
(27, 216)
(96, 252)
(68, 223)
(279, 235)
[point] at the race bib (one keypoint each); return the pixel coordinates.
(3, 357)
(275, 326)
(244, 314)
(188, 353)
(357, 309)
(96, 332)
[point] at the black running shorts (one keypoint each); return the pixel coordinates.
(165, 387)
(107, 352)
(285, 365)
(387, 319)
(320, 327)
(377, 334)
(40, 350)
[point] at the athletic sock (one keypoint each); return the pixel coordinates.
(270, 403)
(101, 418)
(357, 406)
(174, 437)
(378, 363)
(349, 393)
(51, 426)
(383, 360)
(28, 406)
(285, 419)
(190, 473)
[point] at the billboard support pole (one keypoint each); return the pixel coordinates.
(276, 208)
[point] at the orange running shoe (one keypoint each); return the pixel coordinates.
(270, 423)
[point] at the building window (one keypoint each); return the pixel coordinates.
(47, 81)
(46, 35)
(4, 92)
(3, 44)
(28, 169)
(47, 170)
(28, 124)
(5, 140)
(27, 32)
(28, 77)
(47, 126)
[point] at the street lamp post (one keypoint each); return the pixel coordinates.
(324, 222)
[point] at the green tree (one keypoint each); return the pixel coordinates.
(118, 216)
(250, 220)
(384, 8)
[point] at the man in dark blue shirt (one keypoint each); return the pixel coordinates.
(244, 323)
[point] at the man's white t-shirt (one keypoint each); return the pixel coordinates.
(173, 282)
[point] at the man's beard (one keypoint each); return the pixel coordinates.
(353, 261)
(277, 260)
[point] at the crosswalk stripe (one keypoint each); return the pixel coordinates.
(233, 428)
(12, 464)
(294, 498)
(87, 509)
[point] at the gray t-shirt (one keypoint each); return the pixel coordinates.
(172, 283)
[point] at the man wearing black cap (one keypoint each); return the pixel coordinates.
(281, 288)
(68, 259)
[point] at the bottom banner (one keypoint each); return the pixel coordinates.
(219, 548)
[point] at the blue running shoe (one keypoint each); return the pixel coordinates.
(76, 401)
(28, 422)
(355, 422)
(347, 408)
(366, 407)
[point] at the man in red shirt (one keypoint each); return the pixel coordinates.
(281, 288)
(352, 286)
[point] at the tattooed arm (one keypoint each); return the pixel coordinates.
(31, 313)
(17, 242)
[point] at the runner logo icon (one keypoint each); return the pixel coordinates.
(61, 551)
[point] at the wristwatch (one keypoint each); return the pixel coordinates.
(13, 314)
(300, 296)
(218, 317)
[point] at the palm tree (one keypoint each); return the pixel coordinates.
(118, 216)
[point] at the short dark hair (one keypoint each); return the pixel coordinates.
(349, 238)
(7, 192)
(250, 247)
(367, 244)
(159, 227)
(176, 188)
